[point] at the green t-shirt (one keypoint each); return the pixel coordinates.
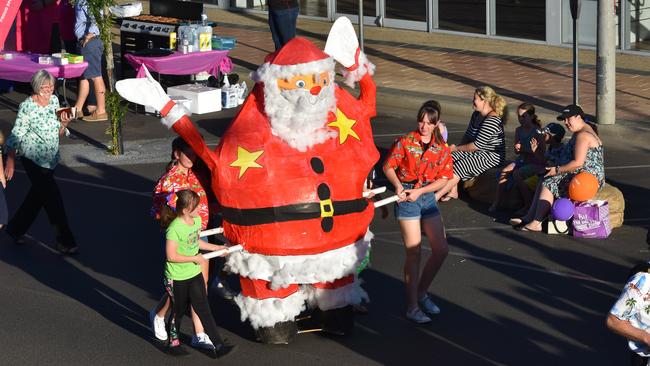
(187, 238)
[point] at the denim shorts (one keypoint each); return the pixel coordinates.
(425, 206)
(92, 54)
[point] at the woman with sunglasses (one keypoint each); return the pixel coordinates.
(35, 138)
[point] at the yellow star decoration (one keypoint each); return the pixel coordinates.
(246, 159)
(344, 124)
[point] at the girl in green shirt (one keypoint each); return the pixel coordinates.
(183, 278)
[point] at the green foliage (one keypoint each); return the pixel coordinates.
(117, 110)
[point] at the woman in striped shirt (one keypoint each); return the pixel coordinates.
(483, 146)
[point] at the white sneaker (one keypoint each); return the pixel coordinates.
(428, 306)
(416, 315)
(202, 340)
(157, 325)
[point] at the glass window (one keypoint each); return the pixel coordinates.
(415, 10)
(462, 15)
(521, 18)
(639, 24)
(314, 8)
(352, 7)
(587, 23)
(248, 4)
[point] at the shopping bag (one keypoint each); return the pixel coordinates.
(591, 220)
(233, 95)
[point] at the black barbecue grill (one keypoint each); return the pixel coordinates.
(152, 31)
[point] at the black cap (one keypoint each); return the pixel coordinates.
(555, 129)
(570, 111)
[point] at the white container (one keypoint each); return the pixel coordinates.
(45, 60)
(204, 99)
(59, 59)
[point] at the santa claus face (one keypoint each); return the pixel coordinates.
(312, 82)
(298, 106)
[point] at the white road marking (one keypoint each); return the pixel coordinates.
(627, 167)
(576, 276)
(95, 185)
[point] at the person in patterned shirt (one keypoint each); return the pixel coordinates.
(35, 138)
(179, 176)
(630, 315)
(418, 165)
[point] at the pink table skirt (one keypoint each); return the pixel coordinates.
(183, 64)
(24, 65)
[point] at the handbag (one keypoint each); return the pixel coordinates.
(552, 226)
(591, 220)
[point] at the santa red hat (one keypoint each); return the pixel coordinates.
(299, 56)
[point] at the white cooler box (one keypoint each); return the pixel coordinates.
(185, 102)
(204, 99)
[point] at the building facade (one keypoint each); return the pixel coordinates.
(540, 21)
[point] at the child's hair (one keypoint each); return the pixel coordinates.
(639, 267)
(432, 110)
(496, 102)
(176, 203)
(178, 145)
(530, 110)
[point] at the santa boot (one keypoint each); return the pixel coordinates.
(280, 333)
(335, 321)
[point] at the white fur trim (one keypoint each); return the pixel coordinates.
(283, 271)
(328, 299)
(268, 312)
(175, 114)
(365, 67)
(270, 71)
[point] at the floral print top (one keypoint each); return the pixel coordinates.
(412, 163)
(173, 181)
(634, 306)
(35, 134)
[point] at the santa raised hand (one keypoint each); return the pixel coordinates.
(289, 174)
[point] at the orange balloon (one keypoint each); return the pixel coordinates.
(583, 187)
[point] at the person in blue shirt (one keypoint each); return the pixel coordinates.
(91, 48)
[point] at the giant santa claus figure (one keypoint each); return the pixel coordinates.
(289, 174)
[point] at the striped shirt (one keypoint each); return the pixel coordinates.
(488, 135)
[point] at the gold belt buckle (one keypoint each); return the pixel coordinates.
(326, 208)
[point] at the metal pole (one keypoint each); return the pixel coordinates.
(575, 61)
(574, 6)
(606, 63)
(361, 24)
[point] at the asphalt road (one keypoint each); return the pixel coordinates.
(507, 298)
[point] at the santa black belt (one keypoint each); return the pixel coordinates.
(325, 209)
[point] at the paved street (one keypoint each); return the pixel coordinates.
(507, 298)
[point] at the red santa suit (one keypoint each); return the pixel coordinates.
(291, 192)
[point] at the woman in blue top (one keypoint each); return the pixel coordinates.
(35, 139)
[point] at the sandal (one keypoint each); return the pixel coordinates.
(515, 221)
(522, 227)
(447, 198)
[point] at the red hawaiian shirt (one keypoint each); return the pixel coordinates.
(173, 181)
(412, 164)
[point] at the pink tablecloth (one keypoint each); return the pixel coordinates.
(23, 66)
(183, 64)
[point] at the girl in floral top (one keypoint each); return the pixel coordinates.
(35, 138)
(420, 163)
(179, 176)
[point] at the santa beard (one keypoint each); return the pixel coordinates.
(298, 117)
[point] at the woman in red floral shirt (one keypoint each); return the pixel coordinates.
(420, 163)
(179, 176)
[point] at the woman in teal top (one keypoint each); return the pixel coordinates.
(183, 279)
(35, 139)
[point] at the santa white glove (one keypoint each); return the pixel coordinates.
(343, 46)
(146, 91)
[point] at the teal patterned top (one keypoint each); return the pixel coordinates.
(36, 132)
